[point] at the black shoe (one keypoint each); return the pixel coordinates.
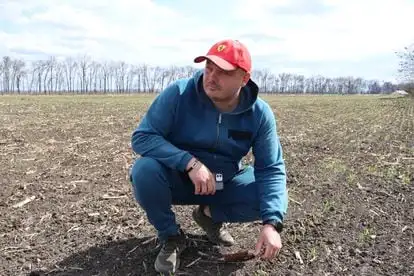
(168, 259)
(215, 231)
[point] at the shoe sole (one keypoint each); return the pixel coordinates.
(167, 272)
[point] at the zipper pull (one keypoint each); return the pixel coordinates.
(219, 119)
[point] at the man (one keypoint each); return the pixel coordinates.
(191, 142)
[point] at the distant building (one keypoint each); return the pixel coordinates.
(400, 92)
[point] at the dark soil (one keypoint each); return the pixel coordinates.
(350, 163)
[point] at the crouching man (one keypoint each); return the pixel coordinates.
(191, 142)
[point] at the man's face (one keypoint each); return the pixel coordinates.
(221, 85)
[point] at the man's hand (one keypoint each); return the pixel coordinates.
(269, 241)
(203, 179)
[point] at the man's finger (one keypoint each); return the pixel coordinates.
(273, 252)
(208, 184)
(259, 245)
(277, 251)
(208, 187)
(197, 188)
(212, 185)
(268, 252)
(204, 187)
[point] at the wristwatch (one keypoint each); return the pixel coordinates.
(276, 224)
(193, 166)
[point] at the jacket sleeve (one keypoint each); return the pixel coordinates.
(149, 138)
(269, 169)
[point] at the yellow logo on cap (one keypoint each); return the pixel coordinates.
(221, 47)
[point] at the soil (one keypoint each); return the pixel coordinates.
(350, 162)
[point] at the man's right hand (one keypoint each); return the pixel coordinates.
(203, 179)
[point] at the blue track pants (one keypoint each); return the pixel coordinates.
(156, 188)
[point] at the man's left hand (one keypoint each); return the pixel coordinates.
(269, 240)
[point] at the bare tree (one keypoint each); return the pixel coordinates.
(388, 87)
(130, 78)
(311, 85)
(407, 62)
(162, 77)
(59, 77)
(298, 83)
(38, 68)
(145, 78)
(69, 69)
(51, 65)
(265, 77)
(374, 87)
(19, 73)
(173, 72)
(284, 81)
(106, 72)
(84, 66)
(120, 71)
(406, 69)
(6, 69)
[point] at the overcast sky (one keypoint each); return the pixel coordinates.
(327, 37)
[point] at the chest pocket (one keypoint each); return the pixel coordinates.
(239, 135)
(240, 142)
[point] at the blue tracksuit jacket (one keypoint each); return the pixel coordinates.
(182, 122)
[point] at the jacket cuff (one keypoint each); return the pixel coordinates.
(184, 161)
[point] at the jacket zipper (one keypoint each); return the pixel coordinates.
(217, 134)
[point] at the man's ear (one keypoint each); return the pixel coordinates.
(246, 78)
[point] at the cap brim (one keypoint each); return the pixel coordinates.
(223, 64)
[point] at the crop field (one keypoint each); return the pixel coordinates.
(66, 206)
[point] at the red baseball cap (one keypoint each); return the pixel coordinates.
(228, 54)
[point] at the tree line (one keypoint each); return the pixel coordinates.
(82, 75)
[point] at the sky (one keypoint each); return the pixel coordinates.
(311, 37)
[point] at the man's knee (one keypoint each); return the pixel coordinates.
(145, 175)
(143, 169)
